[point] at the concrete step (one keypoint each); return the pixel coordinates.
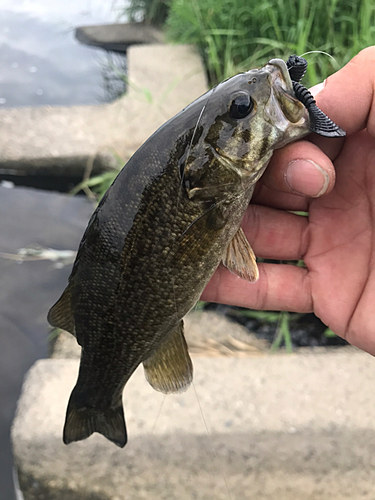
(280, 427)
(64, 141)
(118, 37)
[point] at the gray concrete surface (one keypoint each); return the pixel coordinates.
(280, 427)
(118, 37)
(62, 140)
(27, 290)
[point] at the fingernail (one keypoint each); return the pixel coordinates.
(307, 178)
(317, 88)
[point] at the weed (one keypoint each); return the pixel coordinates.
(98, 184)
(154, 12)
(283, 333)
(236, 35)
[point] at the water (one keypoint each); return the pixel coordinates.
(28, 289)
(41, 63)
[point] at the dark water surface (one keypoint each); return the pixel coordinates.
(28, 289)
(41, 63)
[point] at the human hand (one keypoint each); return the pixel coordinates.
(337, 240)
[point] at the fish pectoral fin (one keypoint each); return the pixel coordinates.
(61, 314)
(198, 236)
(170, 368)
(240, 258)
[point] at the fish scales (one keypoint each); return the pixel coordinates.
(135, 292)
(170, 217)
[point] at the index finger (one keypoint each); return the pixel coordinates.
(347, 97)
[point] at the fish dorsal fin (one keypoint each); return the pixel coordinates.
(240, 258)
(170, 368)
(61, 314)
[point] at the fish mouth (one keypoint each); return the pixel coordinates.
(284, 110)
(280, 77)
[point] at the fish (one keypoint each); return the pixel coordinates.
(170, 218)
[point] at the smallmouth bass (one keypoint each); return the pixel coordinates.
(169, 219)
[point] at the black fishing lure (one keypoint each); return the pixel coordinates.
(319, 122)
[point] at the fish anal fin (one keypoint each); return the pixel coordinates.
(240, 258)
(170, 368)
(82, 421)
(61, 314)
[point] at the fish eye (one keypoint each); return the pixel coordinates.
(241, 105)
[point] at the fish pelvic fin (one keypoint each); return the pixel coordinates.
(170, 368)
(82, 421)
(61, 314)
(240, 258)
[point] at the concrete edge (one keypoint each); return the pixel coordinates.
(118, 37)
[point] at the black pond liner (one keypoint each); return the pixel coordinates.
(306, 329)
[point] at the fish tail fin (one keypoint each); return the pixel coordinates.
(81, 421)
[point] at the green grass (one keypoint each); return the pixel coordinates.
(97, 185)
(283, 333)
(152, 12)
(283, 320)
(237, 35)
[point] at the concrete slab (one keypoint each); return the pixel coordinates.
(63, 140)
(279, 427)
(118, 37)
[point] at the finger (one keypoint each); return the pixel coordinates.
(275, 234)
(270, 292)
(300, 168)
(331, 147)
(279, 200)
(348, 95)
